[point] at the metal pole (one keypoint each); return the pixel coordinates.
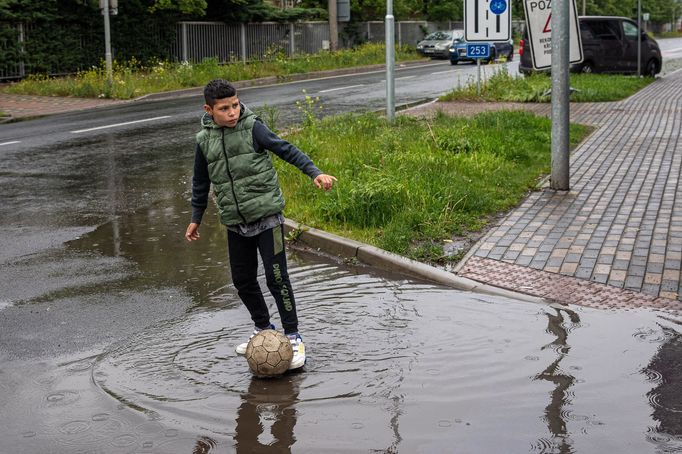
(107, 44)
(242, 41)
(478, 79)
(390, 62)
(584, 8)
(400, 35)
(183, 32)
(333, 25)
(560, 94)
(22, 66)
(639, 37)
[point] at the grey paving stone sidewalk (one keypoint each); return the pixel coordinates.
(26, 106)
(620, 224)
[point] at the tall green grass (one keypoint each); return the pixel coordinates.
(408, 186)
(502, 86)
(132, 79)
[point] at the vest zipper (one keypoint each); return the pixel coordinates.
(229, 174)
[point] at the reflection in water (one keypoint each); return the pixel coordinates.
(204, 445)
(267, 416)
(555, 413)
(665, 369)
(114, 188)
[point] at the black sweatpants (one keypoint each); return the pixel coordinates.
(244, 265)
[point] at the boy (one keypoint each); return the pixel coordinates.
(232, 154)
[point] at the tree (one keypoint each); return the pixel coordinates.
(439, 10)
(236, 11)
(193, 7)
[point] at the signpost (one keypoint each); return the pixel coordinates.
(478, 51)
(539, 24)
(555, 42)
(390, 62)
(485, 21)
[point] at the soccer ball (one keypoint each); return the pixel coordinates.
(269, 353)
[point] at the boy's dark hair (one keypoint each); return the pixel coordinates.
(218, 89)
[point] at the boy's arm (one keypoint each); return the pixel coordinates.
(264, 138)
(201, 184)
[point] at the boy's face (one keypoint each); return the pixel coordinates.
(225, 111)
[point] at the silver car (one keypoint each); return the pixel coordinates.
(436, 44)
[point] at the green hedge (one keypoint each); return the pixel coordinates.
(73, 40)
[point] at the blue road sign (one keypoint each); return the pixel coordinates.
(478, 50)
(498, 6)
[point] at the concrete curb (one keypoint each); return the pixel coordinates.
(379, 258)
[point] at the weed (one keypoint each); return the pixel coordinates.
(295, 234)
(271, 115)
(311, 108)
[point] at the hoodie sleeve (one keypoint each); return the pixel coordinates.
(201, 184)
(265, 139)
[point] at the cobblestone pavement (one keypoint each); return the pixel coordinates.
(615, 238)
(23, 106)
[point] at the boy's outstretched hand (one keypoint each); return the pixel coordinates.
(325, 182)
(192, 232)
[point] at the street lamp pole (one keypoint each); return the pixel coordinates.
(390, 62)
(107, 44)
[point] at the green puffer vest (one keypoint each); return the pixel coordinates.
(244, 181)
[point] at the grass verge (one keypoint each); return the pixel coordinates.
(675, 34)
(131, 79)
(502, 86)
(410, 186)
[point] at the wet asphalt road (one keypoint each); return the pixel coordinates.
(337, 94)
(116, 335)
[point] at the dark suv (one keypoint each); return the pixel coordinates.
(609, 45)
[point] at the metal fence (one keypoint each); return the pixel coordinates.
(244, 42)
(196, 41)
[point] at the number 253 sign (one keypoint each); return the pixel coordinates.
(478, 50)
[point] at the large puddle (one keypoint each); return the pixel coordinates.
(394, 366)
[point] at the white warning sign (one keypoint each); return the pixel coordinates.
(539, 26)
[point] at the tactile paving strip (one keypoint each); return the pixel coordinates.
(559, 288)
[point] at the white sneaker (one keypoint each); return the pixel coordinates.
(297, 346)
(241, 348)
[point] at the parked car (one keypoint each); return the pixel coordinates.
(609, 46)
(436, 44)
(458, 51)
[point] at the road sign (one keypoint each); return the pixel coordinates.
(487, 20)
(478, 50)
(539, 25)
